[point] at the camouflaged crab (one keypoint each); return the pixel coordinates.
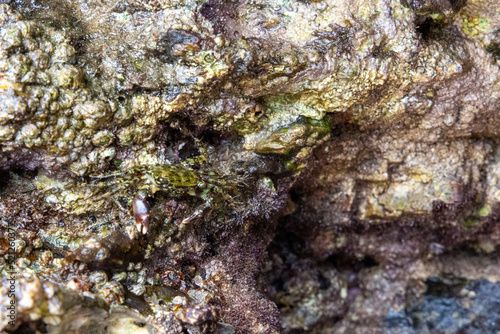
(140, 182)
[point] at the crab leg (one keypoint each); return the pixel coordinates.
(199, 211)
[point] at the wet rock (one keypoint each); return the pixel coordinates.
(306, 166)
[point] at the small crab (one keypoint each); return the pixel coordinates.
(140, 182)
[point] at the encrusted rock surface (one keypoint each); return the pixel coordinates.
(309, 166)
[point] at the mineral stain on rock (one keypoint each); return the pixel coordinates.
(182, 166)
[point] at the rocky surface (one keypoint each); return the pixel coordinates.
(308, 166)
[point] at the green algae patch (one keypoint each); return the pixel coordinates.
(484, 211)
(305, 133)
(474, 25)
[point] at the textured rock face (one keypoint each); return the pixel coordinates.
(309, 166)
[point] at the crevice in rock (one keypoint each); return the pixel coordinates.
(219, 12)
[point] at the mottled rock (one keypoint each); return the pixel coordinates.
(304, 166)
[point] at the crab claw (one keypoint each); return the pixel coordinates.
(140, 208)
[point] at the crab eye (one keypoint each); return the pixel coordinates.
(140, 208)
(163, 180)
